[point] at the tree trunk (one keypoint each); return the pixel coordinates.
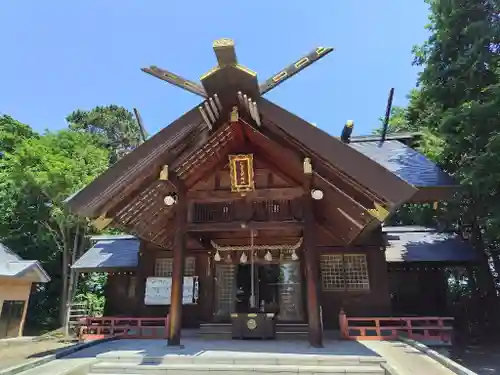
(71, 281)
(64, 281)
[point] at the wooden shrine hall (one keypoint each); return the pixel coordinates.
(240, 208)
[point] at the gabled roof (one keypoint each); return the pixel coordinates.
(222, 88)
(421, 244)
(12, 265)
(362, 169)
(112, 252)
(204, 136)
(148, 156)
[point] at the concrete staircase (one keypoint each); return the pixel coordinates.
(236, 363)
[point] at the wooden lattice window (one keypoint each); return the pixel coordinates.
(332, 272)
(356, 272)
(344, 272)
(164, 267)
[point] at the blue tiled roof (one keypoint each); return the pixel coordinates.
(406, 163)
(110, 253)
(420, 244)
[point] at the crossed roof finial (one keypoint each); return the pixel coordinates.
(240, 77)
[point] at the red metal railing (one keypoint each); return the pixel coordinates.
(124, 327)
(416, 328)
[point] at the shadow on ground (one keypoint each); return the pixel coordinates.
(482, 359)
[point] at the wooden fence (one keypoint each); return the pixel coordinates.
(438, 329)
(124, 327)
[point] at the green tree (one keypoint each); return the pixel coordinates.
(114, 127)
(12, 133)
(458, 102)
(47, 170)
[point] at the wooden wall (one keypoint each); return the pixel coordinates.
(375, 301)
(264, 178)
(16, 290)
(121, 303)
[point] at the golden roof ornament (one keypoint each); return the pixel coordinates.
(234, 115)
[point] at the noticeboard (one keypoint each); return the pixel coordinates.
(158, 290)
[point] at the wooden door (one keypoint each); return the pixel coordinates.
(11, 317)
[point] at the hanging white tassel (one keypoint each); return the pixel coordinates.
(228, 258)
(243, 258)
(268, 256)
(217, 256)
(295, 256)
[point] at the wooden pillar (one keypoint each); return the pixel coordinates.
(179, 252)
(145, 268)
(312, 275)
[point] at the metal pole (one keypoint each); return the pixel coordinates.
(387, 115)
(252, 271)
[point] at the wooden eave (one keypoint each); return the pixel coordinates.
(357, 166)
(339, 208)
(434, 194)
(128, 173)
(143, 212)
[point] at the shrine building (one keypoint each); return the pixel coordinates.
(239, 206)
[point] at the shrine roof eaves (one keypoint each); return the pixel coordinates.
(421, 244)
(405, 162)
(148, 156)
(115, 252)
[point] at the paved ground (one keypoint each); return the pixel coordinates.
(406, 359)
(15, 352)
(156, 348)
(66, 366)
(401, 356)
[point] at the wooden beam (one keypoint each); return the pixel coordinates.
(311, 261)
(244, 226)
(272, 151)
(341, 205)
(174, 337)
(176, 80)
(294, 68)
(347, 184)
(201, 239)
(225, 196)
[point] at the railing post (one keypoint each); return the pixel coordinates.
(409, 328)
(167, 325)
(343, 324)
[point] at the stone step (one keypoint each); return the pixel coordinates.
(117, 360)
(240, 369)
(220, 328)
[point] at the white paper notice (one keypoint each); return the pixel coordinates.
(159, 289)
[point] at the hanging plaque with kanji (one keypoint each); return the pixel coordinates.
(241, 172)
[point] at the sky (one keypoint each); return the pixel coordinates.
(59, 56)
